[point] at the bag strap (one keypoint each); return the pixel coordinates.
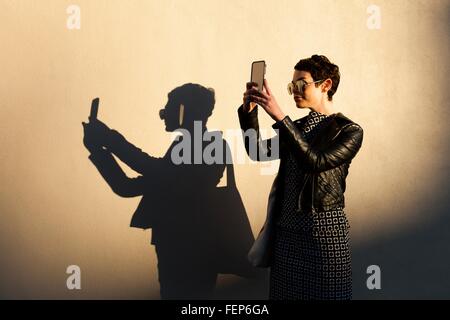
(231, 181)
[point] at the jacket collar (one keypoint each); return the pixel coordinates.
(339, 117)
(330, 130)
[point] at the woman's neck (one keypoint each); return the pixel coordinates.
(325, 107)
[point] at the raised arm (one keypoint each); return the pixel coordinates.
(115, 143)
(341, 150)
(257, 149)
(114, 175)
(133, 156)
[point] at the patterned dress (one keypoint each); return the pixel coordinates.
(311, 252)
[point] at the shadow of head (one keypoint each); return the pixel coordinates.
(187, 104)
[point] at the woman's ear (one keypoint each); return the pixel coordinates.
(328, 83)
(181, 115)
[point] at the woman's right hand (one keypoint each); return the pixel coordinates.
(96, 134)
(246, 98)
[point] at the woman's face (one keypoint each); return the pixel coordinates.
(312, 95)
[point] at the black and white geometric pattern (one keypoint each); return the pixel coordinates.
(311, 252)
(307, 266)
(313, 122)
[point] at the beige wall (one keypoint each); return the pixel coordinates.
(132, 53)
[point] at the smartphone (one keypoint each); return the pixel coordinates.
(257, 75)
(94, 109)
(258, 72)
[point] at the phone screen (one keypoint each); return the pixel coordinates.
(258, 72)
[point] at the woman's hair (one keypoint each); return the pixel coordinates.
(198, 100)
(321, 69)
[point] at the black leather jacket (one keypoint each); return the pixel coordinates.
(325, 161)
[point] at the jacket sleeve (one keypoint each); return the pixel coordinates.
(343, 148)
(114, 175)
(131, 155)
(257, 148)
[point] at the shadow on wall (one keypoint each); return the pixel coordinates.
(414, 263)
(199, 230)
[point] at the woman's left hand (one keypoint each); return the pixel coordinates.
(267, 101)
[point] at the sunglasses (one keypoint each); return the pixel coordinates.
(299, 86)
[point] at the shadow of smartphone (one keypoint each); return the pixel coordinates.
(94, 109)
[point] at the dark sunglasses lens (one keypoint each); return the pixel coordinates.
(300, 85)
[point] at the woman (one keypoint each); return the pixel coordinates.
(309, 243)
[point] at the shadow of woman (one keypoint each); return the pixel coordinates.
(198, 229)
